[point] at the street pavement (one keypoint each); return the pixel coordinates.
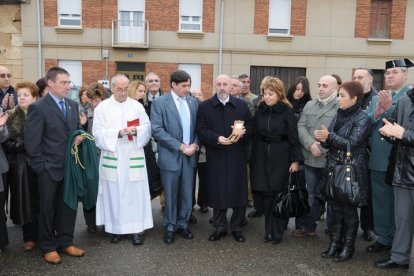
(294, 256)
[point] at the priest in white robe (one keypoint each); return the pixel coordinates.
(121, 129)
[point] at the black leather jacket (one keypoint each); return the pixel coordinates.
(352, 125)
(404, 165)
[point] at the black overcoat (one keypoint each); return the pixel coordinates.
(275, 146)
(226, 165)
(22, 181)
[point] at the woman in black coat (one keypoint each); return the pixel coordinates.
(351, 124)
(276, 152)
(23, 184)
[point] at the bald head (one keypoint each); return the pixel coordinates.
(5, 78)
(327, 85)
(222, 86)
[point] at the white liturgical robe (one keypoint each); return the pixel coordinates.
(124, 201)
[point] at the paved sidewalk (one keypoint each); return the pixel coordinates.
(294, 256)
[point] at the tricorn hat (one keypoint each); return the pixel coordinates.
(399, 63)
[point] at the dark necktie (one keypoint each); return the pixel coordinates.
(62, 107)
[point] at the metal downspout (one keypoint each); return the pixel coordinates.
(39, 40)
(221, 37)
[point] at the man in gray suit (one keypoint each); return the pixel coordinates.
(173, 120)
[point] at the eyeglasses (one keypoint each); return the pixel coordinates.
(4, 75)
(156, 80)
(393, 72)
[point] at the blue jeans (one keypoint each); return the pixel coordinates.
(308, 221)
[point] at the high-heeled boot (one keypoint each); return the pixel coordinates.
(351, 226)
(335, 246)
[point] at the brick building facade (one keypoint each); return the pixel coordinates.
(290, 37)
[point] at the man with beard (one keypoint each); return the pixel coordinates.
(226, 158)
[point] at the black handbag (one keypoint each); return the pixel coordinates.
(294, 201)
(154, 176)
(339, 183)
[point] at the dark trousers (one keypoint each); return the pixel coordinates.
(237, 219)
(4, 238)
(30, 232)
(51, 207)
(258, 201)
(202, 185)
(366, 216)
(90, 216)
(273, 225)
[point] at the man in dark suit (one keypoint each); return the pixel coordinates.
(50, 122)
(173, 121)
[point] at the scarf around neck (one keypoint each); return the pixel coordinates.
(329, 99)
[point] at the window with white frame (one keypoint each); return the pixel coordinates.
(70, 13)
(191, 15)
(279, 17)
(195, 72)
(74, 67)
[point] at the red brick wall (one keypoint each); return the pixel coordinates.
(209, 10)
(298, 17)
(50, 63)
(94, 70)
(207, 80)
(261, 16)
(50, 13)
(363, 11)
(95, 13)
(398, 13)
(397, 25)
(162, 14)
(163, 70)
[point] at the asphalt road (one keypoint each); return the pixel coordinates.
(294, 256)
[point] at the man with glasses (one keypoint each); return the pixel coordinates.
(121, 129)
(383, 106)
(8, 97)
(154, 91)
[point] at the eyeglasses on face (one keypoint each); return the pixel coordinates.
(4, 75)
(155, 80)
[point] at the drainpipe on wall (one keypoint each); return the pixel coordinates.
(39, 40)
(221, 37)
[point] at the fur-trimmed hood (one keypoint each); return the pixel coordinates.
(15, 123)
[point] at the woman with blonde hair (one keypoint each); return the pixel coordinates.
(275, 134)
(137, 90)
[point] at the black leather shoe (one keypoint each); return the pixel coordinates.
(238, 236)
(368, 235)
(185, 233)
(137, 239)
(116, 238)
(217, 235)
(203, 209)
(268, 238)
(168, 237)
(377, 247)
(192, 219)
(388, 263)
(255, 213)
(210, 221)
(91, 229)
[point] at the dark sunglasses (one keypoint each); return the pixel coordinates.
(5, 75)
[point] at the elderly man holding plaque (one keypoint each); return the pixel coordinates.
(224, 126)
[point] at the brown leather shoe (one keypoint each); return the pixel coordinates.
(74, 251)
(29, 246)
(52, 258)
